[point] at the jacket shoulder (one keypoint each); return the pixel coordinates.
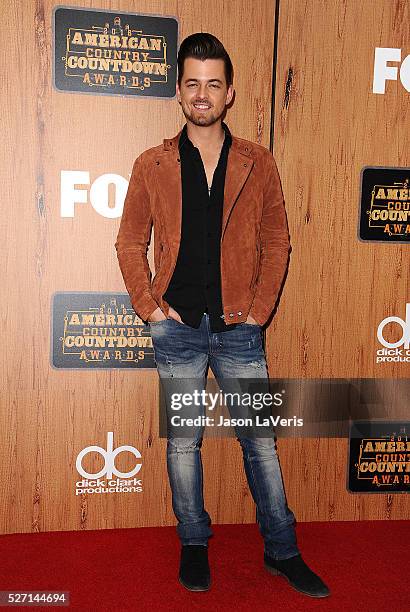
(257, 151)
(150, 154)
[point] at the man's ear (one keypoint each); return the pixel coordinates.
(178, 91)
(229, 94)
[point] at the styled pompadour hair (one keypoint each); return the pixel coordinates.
(202, 46)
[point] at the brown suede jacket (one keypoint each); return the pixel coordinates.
(254, 239)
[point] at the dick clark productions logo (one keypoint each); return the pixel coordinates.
(392, 351)
(93, 483)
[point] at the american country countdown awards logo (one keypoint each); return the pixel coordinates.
(98, 331)
(109, 479)
(379, 460)
(117, 53)
(398, 350)
(384, 212)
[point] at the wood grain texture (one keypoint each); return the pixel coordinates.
(50, 415)
(328, 125)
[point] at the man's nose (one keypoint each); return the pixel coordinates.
(202, 90)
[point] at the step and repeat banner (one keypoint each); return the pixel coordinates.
(87, 89)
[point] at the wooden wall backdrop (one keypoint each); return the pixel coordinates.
(49, 415)
(328, 125)
(338, 289)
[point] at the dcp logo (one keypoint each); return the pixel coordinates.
(405, 325)
(109, 459)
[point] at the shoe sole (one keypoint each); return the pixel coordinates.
(194, 588)
(276, 572)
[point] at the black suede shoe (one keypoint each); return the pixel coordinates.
(298, 574)
(194, 572)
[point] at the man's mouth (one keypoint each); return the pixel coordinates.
(201, 106)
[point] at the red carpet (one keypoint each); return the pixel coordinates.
(365, 564)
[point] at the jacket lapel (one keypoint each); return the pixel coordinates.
(169, 189)
(168, 185)
(237, 171)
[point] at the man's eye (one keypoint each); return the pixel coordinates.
(215, 85)
(192, 85)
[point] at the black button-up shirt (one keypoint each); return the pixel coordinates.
(195, 286)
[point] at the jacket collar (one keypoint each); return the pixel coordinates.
(183, 138)
(238, 144)
(239, 165)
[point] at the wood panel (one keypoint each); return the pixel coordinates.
(328, 125)
(50, 415)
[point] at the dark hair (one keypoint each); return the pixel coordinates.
(203, 45)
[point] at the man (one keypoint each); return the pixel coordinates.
(220, 251)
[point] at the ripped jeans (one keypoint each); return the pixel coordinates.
(184, 352)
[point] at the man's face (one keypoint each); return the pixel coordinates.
(203, 93)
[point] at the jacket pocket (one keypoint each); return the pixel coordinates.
(160, 269)
(162, 254)
(255, 267)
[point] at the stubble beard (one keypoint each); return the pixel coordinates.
(198, 118)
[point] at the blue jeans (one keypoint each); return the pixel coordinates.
(184, 352)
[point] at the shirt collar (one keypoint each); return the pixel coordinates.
(185, 140)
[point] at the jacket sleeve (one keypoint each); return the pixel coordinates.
(132, 243)
(274, 246)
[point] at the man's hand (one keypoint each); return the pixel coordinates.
(174, 315)
(158, 315)
(251, 320)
